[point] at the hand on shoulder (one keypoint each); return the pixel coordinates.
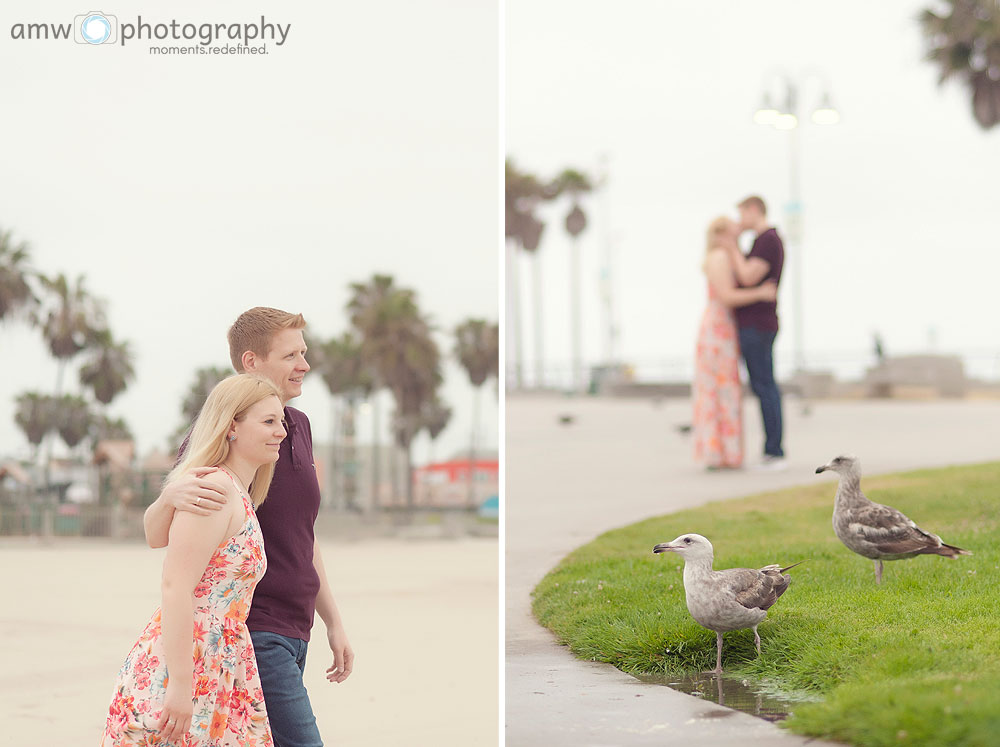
(204, 519)
(201, 490)
(228, 493)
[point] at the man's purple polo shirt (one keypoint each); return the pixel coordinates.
(763, 315)
(284, 601)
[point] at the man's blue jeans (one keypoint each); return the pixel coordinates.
(281, 662)
(756, 346)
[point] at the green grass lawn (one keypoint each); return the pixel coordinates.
(914, 661)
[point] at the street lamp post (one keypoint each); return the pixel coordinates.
(606, 277)
(786, 117)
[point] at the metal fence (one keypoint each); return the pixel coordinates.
(46, 515)
(981, 364)
(45, 518)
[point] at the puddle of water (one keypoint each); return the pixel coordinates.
(738, 694)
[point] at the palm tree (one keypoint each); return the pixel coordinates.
(104, 428)
(109, 370)
(71, 321)
(342, 366)
(346, 375)
(107, 373)
(363, 306)
(477, 348)
(15, 291)
(397, 346)
(204, 382)
(36, 416)
(74, 419)
(575, 184)
(523, 192)
(435, 418)
(965, 44)
(413, 375)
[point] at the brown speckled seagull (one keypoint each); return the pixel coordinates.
(732, 599)
(876, 531)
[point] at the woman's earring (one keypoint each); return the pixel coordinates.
(232, 437)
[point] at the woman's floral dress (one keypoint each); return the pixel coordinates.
(228, 700)
(718, 404)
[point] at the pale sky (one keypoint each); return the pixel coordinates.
(900, 203)
(188, 189)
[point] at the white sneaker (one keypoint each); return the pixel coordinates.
(772, 464)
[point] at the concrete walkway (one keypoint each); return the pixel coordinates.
(623, 460)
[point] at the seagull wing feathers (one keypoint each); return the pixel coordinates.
(756, 589)
(890, 530)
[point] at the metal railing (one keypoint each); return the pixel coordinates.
(982, 364)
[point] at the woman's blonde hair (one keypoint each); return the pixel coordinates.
(208, 444)
(716, 229)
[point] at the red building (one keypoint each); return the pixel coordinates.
(446, 484)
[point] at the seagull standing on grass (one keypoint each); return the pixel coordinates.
(876, 531)
(732, 599)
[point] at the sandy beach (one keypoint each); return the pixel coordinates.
(421, 615)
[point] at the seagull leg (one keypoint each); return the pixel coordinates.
(878, 571)
(718, 654)
(756, 639)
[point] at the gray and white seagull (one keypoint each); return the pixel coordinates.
(731, 599)
(876, 531)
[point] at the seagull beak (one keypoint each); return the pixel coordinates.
(663, 547)
(821, 469)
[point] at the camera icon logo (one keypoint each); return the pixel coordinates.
(95, 28)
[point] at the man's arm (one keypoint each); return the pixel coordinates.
(191, 493)
(156, 522)
(343, 655)
(720, 276)
(749, 270)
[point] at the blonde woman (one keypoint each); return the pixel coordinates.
(191, 678)
(718, 421)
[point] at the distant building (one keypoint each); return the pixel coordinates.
(447, 484)
(348, 476)
(927, 376)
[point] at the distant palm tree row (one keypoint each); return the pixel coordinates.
(72, 323)
(390, 346)
(523, 194)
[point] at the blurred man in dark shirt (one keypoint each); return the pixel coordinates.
(758, 322)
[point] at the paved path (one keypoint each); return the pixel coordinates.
(622, 461)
